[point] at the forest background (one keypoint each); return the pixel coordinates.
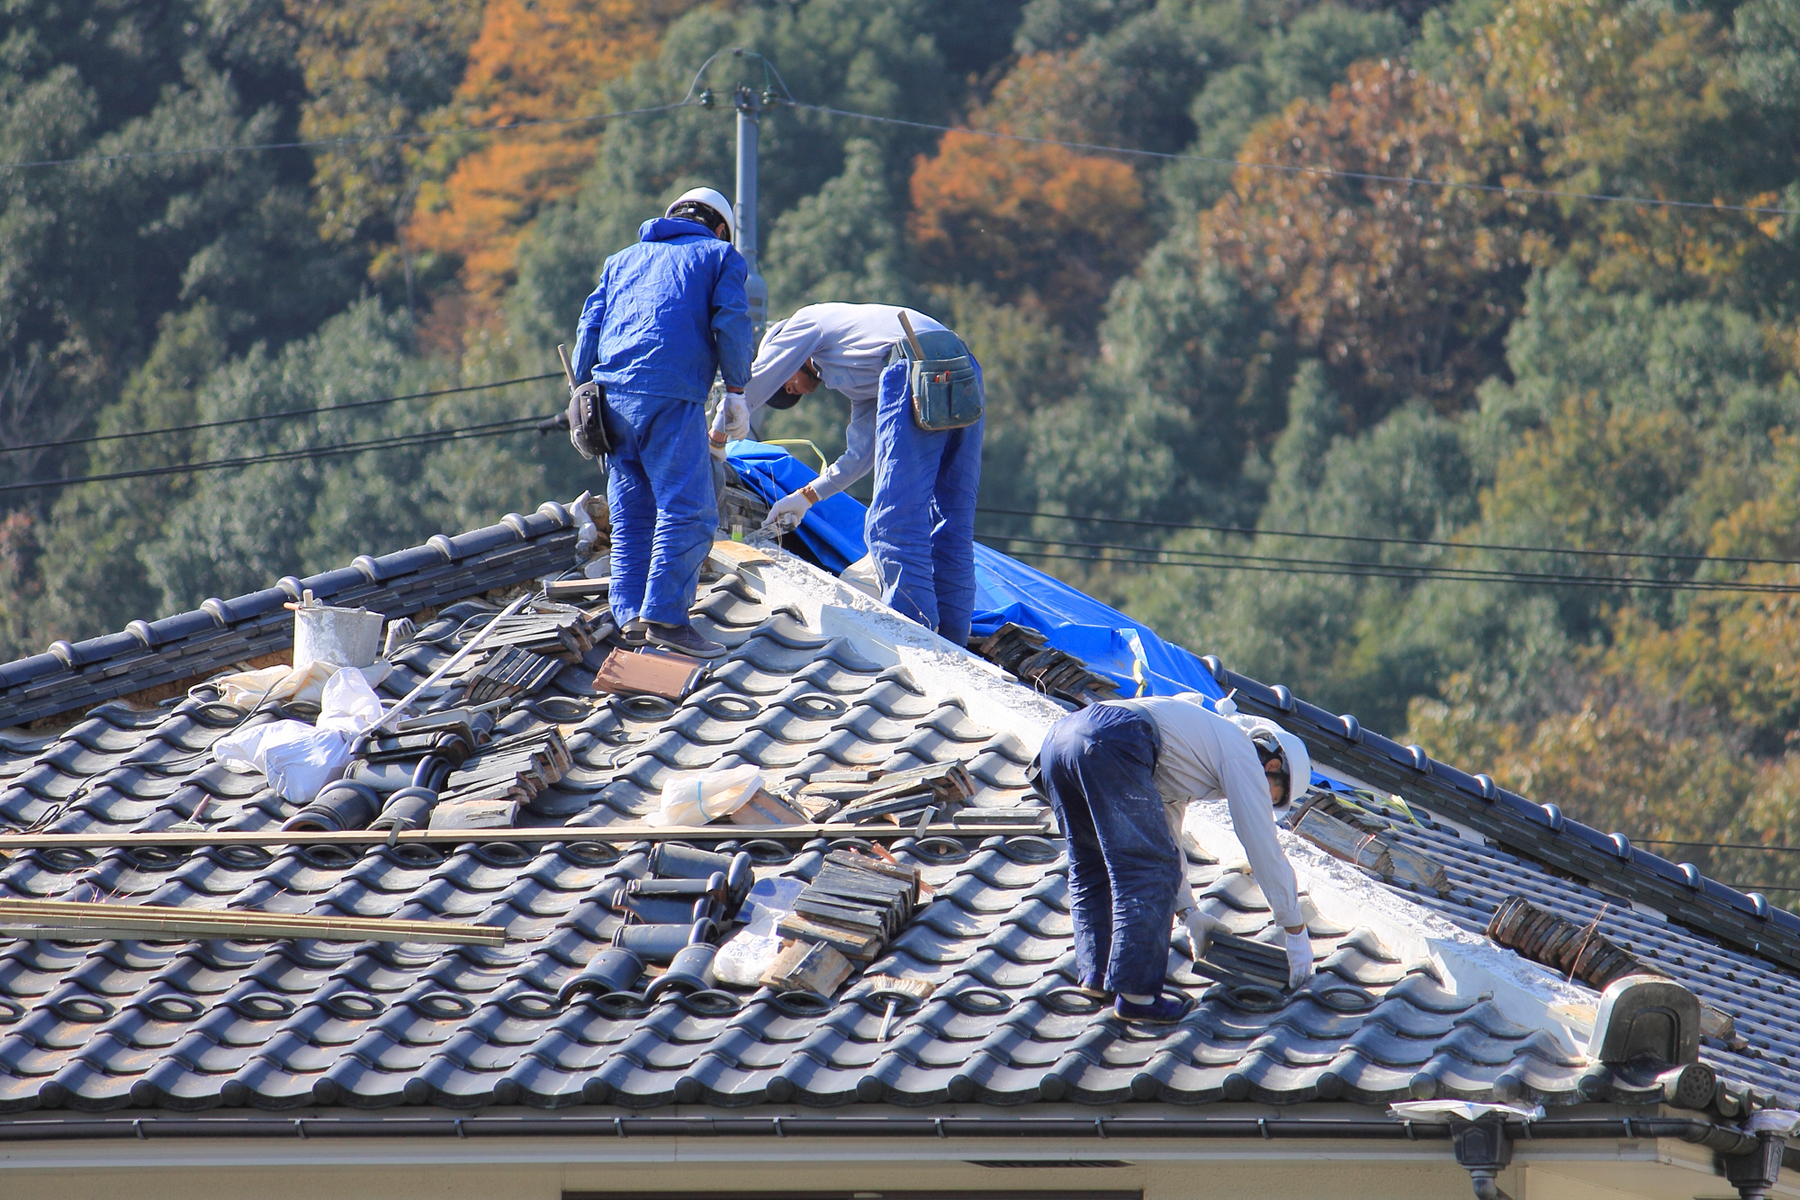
(1211, 334)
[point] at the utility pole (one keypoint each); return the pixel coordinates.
(749, 121)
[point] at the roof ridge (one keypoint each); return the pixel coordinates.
(147, 654)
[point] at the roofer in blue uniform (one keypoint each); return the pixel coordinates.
(915, 397)
(669, 313)
(1120, 776)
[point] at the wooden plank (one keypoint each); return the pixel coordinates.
(560, 833)
(81, 919)
(33, 909)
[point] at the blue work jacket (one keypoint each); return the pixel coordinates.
(669, 312)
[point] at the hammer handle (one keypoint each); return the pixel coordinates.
(912, 339)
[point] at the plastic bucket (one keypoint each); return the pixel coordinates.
(343, 637)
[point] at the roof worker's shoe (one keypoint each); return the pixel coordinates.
(1094, 986)
(683, 639)
(634, 633)
(1163, 1010)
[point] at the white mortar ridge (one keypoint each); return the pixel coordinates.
(1469, 964)
(836, 609)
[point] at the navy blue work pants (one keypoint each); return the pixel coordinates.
(1124, 866)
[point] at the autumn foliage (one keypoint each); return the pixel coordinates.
(534, 60)
(1404, 284)
(1041, 223)
(1407, 285)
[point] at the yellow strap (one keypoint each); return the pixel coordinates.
(798, 442)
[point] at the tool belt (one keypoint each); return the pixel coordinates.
(586, 422)
(946, 390)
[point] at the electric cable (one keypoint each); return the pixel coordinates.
(398, 441)
(1393, 541)
(277, 416)
(372, 139)
(1508, 190)
(1199, 559)
(1717, 845)
(1326, 172)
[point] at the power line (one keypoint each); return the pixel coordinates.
(1315, 566)
(432, 437)
(1327, 172)
(277, 416)
(1392, 541)
(258, 147)
(1285, 168)
(1720, 845)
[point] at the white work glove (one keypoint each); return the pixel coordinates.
(1300, 958)
(1200, 928)
(786, 513)
(733, 417)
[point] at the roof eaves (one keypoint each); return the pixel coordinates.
(1538, 831)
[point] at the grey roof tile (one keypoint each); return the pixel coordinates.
(294, 1024)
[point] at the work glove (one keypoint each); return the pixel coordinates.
(1200, 928)
(733, 417)
(1300, 958)
(786, 513)
(586, 433)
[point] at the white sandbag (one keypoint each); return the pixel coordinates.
(300, 759)
(706, 797)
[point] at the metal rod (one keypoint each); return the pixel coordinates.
(458, 837)
(480, 635)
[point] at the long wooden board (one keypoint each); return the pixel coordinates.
(560, 833)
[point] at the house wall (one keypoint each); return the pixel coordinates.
(546, 1169)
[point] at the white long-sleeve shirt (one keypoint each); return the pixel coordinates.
(850, 344)
(1205, 757)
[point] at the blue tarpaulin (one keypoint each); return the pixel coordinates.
(1108, 641)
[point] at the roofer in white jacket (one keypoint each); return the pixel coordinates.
(1120, 776)
(920, 525)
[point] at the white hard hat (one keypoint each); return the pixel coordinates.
(712, 198)
(1286, 746)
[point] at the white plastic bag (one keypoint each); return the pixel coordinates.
(349, 704)
(300, 759)
(742, 960)
(751, 950)
(707, 797)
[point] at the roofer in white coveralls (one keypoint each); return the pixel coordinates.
(1120, 776)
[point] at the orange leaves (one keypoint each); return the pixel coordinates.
(1406, 283)
(1041, 220)
(533, 60)
(1034, 221)
(373, 68)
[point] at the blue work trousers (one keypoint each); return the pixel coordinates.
(921, 522)
(1125, 869)
(664, 515)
